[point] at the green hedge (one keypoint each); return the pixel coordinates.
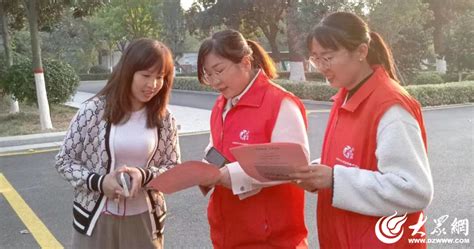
(425, 78)
(61, 81)
(427, 95)
(310, 76)
(443, 94)
(98, 69)
(98, 76)
(191, 84)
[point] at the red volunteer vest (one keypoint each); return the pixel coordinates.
(273, 218)
(350, 140)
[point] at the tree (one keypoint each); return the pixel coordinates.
(4, 6)
(122, 21)
(444, 12)
(460, 52)
(295, 37)
(42, 14)
(55, 9)
(70, 41)
(205, 16)
(174, 30)
(242, 15)
(302, 16)
(402, 25)
(45, 117)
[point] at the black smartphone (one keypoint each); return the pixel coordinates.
(213, 156)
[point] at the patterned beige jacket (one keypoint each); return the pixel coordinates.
(84, 159)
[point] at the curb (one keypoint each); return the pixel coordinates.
(32, 136)
(53, 146)
(195, 92)
(305, 101)
(29, 149)
(446, 107)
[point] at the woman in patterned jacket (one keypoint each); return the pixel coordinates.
(126, 127)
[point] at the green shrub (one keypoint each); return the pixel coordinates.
(61, 81)
(425, 78)
(98, 69)
(191, 84)
(97, 76)
(427, 95)
(443, 94)
(310, 76)
(191, 74)
(17, 58)
(304, 90)
(469, 77)
(450, 77)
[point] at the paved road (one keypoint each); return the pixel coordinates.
(450, 134)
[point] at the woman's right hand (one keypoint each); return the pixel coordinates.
(224, 179)
(111, 187)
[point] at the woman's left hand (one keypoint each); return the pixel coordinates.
(136, 179)
(313, 178)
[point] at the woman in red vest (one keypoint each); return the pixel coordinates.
(242, 213)
(373, 162)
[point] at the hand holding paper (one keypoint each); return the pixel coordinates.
(315, 177)
(271, 161)
(185, 175)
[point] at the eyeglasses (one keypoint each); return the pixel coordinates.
(324, 62)
(216, 76)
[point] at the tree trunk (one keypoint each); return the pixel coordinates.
(14, 107)
(439, 8)
(271, 36)
(293, 37)
(45, 117)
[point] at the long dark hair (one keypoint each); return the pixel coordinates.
(141, 54)
(347, 30)
(231, 45)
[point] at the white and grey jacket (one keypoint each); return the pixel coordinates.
(85, 158)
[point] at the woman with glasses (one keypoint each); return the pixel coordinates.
(251, 109)
(374, 161)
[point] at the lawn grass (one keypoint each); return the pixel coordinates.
(28, 122)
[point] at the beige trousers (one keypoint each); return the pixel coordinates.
(116, 232)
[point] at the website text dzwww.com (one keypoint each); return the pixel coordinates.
(439, 241)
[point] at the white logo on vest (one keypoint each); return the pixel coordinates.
(348, 152)
(389, 229)
(244, 135)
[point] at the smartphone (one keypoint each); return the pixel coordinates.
(215, 157)
(124, 181)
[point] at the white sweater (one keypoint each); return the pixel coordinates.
(403, 182)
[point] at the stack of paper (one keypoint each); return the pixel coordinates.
(271, 161)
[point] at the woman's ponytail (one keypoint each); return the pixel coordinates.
(262, 60)
(379, 53)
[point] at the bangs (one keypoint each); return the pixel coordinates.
(326, 36)
(156, 59)
(204, 50)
